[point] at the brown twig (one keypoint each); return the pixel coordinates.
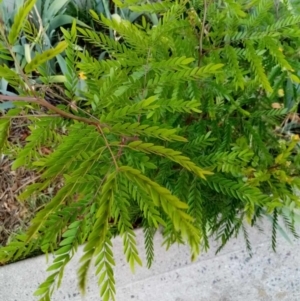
(51, 107)
(29, 116)
(64, 114)
(69, 103)
(26, 183)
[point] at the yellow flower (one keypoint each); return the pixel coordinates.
(276, 105)
(82, 75)
(280, 93)
(280, 49)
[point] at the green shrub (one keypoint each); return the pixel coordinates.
(176, 127)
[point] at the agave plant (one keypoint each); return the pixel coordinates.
(40, 30)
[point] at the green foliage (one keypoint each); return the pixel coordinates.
(4, 126)
(18, 21)
(45, 56)
(173, 124)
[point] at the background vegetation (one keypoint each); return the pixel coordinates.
(173, 115)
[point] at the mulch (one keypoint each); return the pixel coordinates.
(14, 215)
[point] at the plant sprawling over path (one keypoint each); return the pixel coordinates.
(174, 123)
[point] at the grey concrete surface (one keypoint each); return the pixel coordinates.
(229, 276)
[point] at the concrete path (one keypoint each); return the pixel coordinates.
(230, 276)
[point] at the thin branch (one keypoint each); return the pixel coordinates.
(145, 79)
(202, 33)
(27, 183)
(29, 116)
(53, 108)
(69, 103)
(108, 146)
